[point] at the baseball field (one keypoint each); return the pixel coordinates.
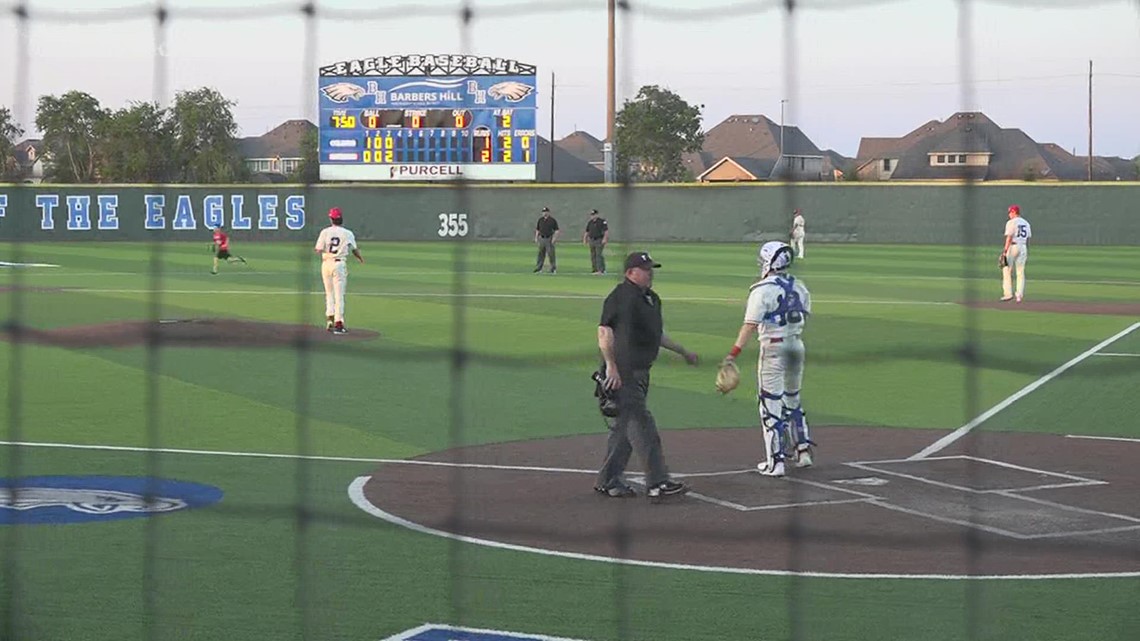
(199, 459)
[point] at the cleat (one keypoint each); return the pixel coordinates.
(616, 491)
(803, 456)
(666, 488)
(767, 468)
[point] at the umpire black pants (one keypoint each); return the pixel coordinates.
(633, 429)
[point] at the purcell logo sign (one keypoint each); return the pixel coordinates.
(424, 171)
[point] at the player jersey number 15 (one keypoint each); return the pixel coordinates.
(1022, 232)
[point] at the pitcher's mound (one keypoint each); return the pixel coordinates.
(183, 332)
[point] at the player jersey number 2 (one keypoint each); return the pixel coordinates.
(334, 244)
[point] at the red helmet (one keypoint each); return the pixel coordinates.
(1014, 209)
(334, 213)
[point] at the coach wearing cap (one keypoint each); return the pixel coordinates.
(546, 232)
(630, 333)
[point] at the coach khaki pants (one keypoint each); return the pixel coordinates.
(334, 273)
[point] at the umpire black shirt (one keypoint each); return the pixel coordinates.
(546, 226)
(634, 315)
(596, 228)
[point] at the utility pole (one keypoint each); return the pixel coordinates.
(551, 126)
(611, 93)
(1090, 119)
(783, 170)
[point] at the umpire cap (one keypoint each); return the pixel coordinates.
(640, 259)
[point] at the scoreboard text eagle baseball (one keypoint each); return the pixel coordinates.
(428, 118)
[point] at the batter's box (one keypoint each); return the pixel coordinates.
(973, 474)
(748, 491)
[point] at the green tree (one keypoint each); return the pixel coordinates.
(135, 145)
(653, 131)
(9, 132)
(70, 125)
(309, 171)
(205, 142)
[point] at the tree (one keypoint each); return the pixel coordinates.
(309, 171)
(135, 145)
(9, 132)
(205, 143)
(653, 131)
(70, 126)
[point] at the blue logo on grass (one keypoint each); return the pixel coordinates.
(438, 632)
(55, 500)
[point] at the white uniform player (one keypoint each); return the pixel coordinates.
(798, 233)
(335, 244)
(777, 310)
(1016, 251)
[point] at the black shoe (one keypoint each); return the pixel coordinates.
(616, 491)
(667, 488)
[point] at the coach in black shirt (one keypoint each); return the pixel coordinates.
(596, 236)
(546, 232)
(630, 333)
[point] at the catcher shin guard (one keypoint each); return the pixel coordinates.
(798, 428)
(771, 419)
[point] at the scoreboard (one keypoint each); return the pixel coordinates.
(427, 118)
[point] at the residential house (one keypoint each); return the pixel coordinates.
(567, 167)
(29, 158)
(277, 153)
(969, 145)
(584, 147)
(747, 147)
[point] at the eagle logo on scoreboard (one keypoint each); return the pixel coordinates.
(341, 92)
(511, 91)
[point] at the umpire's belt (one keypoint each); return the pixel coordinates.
(546, 237)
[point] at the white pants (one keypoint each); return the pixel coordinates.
(334, 273)
(1017, 256)
(780, 372)
(798, 245)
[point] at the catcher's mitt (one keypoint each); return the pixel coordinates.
(1003, 261)
(727, 376)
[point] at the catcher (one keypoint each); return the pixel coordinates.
(777, 309)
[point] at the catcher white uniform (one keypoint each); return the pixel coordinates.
(778, 307)
(335, 244)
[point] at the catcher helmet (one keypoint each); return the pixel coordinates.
(774, 256)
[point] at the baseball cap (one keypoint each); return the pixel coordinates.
(640, 259)
(545, 209)
(334, 213)
(1015, 209)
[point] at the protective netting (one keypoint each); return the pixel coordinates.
(614, 600)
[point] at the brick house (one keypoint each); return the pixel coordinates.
(969, 145)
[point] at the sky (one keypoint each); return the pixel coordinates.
(853, 68)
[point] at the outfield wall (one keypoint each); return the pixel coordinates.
(1081, 214)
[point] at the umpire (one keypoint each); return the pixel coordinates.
(630, 333)
(596, 236)
(546, 232)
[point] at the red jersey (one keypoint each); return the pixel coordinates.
(221, 240)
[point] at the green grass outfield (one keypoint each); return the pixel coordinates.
(882, 350)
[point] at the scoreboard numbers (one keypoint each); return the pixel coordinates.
(427, 118)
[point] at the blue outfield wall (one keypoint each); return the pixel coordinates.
(1070, 214)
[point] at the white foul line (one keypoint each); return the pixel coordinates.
(950, 438)
(1118, 354)
(1105, 438)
